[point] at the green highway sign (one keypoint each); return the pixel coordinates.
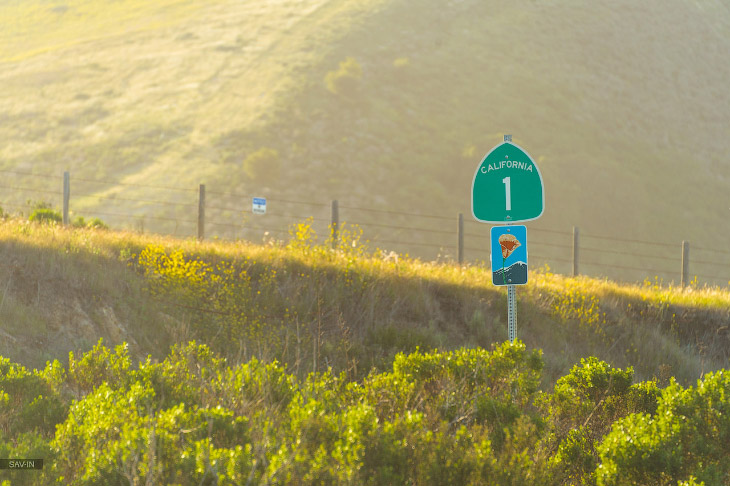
(507, 187)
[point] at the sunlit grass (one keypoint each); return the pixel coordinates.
(31, 27)
(352, 307)
(653, 291)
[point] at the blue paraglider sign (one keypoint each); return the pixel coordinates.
(509, 255)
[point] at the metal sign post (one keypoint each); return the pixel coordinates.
(507, 188)
(511, 313)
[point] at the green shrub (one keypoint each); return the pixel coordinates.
(581, 410)
(407, 450)
(45, 215)
(29, 445)
(686, 440)
(120, 437)
(468, 416)
(254, 388)
(97, 366)
(96, 223)
(28, 401)
(187, 375)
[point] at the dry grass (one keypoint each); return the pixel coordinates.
(311, 307)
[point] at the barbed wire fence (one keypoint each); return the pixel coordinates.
(229, 216)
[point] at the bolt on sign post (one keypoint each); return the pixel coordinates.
(507, 188)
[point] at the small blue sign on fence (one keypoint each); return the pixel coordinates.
(509, 255)
(259, 205)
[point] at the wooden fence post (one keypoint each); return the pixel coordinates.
(201, 213)
(460, 239)
(66, 196)
(576, 233)
(685, 263)
(335, 223)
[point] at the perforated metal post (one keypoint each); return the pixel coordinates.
(335, 223)
(460, 239)
(511, 313)
(576, 234)
(66, 197)
(201, 212)
(685, 263)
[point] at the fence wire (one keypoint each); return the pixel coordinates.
(225, 218)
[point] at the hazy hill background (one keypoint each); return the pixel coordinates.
(385, 104)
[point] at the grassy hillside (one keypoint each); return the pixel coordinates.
(623, 106)
(315, 365)
(312, 308)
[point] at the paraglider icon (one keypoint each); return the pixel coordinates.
(508, 243)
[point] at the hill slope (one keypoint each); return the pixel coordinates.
(623, 106)
(312, 308)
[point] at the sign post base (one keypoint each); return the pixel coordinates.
(511, 313)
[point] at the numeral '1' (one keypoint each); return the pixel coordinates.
(507, 193)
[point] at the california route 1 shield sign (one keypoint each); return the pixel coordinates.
(507, 187)
(509, 255)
